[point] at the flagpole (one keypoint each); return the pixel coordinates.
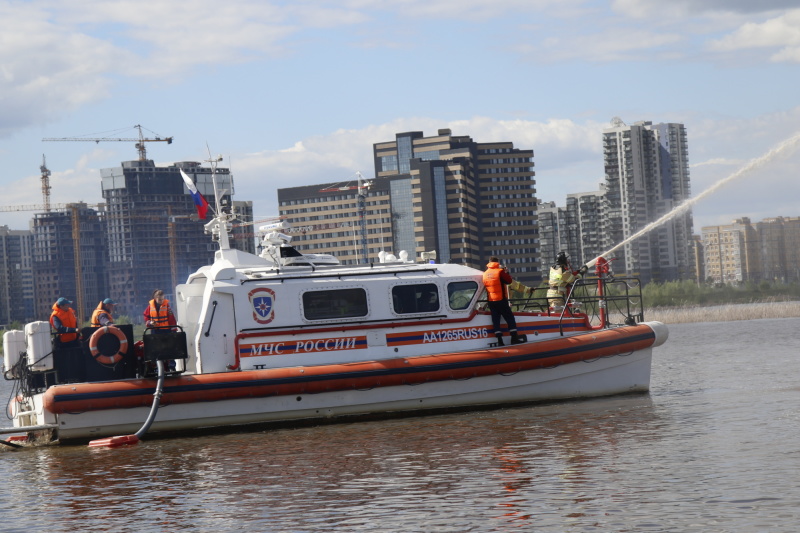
(221, 218)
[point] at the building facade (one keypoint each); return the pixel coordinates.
(742, 251)
(550, 218)
(66, 241)
(350, 222)
(585, 209)
(647, 176)
(575, 228)
(779, 249)
(154, 237)
(461, 199)
(470, 200)
(725, 249)
(16, 276)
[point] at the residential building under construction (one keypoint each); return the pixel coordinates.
(67, 240)
(154, 236)
(146, 236)
(16, 276)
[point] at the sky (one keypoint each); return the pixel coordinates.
(295, 92)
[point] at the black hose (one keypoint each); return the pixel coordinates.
(156, 401)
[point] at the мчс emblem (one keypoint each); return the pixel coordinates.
(263, 302)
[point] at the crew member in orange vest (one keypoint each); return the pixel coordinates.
(158, 313)
(102, 314)
(65, 323)
(495, 279)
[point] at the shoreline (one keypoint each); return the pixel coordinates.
(723, 313)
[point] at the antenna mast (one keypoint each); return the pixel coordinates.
(363, 187)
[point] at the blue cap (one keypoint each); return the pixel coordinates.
(109, 301)
(62, 301)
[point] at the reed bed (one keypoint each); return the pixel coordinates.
(723, 313)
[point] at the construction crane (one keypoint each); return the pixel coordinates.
(362, 187)
(140, 142)
(45, 184)
(46, 207)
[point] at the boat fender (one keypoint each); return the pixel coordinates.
(108, 359)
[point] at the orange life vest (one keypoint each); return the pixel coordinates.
(493, 280)
(160, 317)
(96, 316)
(68, 320)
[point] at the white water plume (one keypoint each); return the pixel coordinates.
(752, 165)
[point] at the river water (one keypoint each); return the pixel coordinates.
(714, 447)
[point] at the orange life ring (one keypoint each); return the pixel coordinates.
(108, 359)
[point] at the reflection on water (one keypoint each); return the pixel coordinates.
(708, 449)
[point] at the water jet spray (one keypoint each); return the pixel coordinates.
(788, 144)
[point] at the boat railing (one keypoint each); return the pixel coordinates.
(604, 303)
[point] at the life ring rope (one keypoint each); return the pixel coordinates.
(108, 359)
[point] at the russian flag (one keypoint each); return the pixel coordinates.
(199, 202)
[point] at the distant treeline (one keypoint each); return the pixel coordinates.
(689, 293)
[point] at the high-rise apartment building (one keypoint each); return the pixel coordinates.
(647, 176)
(575, 228)
(550, 218)
(462, 199)
(587, 210)
(472, 200)
(16, 276)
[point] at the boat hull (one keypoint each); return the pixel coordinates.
(592, 364)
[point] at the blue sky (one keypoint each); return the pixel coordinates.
(296, 92)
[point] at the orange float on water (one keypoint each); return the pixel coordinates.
(114, 442)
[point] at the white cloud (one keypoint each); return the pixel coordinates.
(683, 8)
(614, 44)
(568, 159)
(46, 70)
(475, 10)
(56, 57)
(781, 32)
(333, 158)
(167, 38)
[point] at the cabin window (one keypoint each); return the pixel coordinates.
(422, 298)
(340, 303)
(460, 293)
